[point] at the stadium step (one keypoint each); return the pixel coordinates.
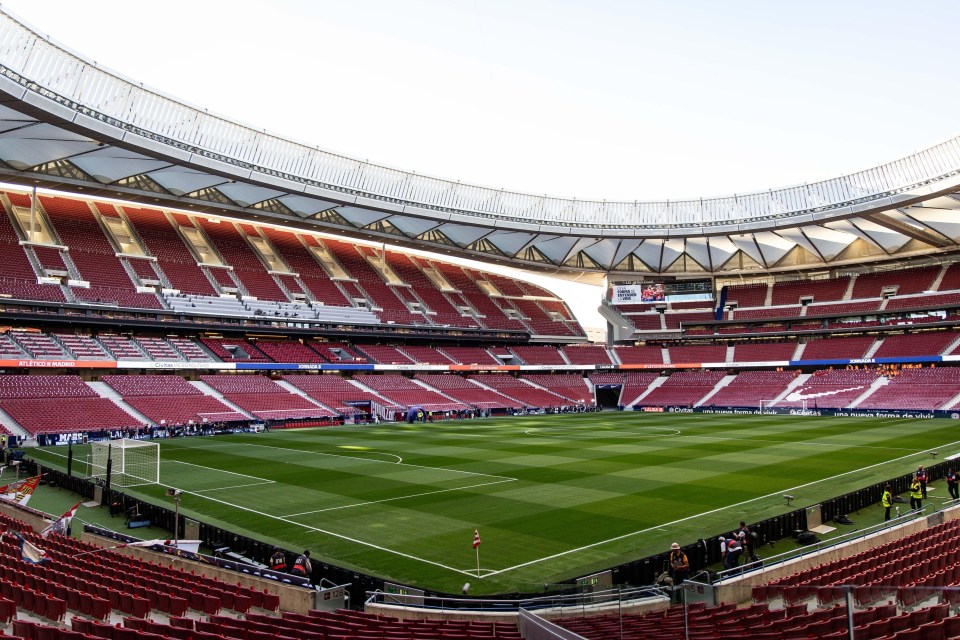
(207, 390)
(106, 391)
(879, 382)
(13, 426)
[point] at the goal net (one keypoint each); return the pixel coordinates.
(135, 462)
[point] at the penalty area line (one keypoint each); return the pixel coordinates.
(333, 534)
(413, 495)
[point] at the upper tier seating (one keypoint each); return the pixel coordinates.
(907, 281)
(264, 398)
(173, 257)
(39, 345)
(465, 281)
(749, 388)
(538, 354)
(444, 312)
(837, 348)
(384, 354)
(820, 290)
(764, 351)
(234, 349)
(927, 343)
(467, 392)
(30, 401)
(94, 256)
(639, 355)
(391, 307)
(425, 355)
(684, 388)
(230, 242)
(191, 350)
(686, 319)
(170, 400)
(337, 352)
(83, 347)
(766, 312)
(587, 354)
(159, 349)
(293, 251)
(469, 355)
(517, 389)
(19, 279)
(407, 393)
(928, 388)
(121, 347)
(841, 308)
(698, 353)
(831, 388)
(288, 351)
(748, 295)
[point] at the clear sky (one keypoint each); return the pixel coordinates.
(603, 99)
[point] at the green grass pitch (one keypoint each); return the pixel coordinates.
(554, 497)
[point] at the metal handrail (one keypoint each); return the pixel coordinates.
(48, 69)
(813, 549)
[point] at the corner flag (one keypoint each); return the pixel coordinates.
(476, 538)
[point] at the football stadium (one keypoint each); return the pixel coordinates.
(279, 392)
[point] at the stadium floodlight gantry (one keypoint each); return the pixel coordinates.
(91, 127)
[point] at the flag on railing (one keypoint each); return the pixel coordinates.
(20, 491)
(476, 538)
(30, 552)
(61, 524)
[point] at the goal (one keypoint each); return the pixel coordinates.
(135, 462)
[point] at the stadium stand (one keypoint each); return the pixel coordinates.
(171, 400)
(840, 347)
(517, 389)
(288, 351)
(469, 355)
(336, 352)
(59, 404)
(538, 354)
(791, 292)
(568, 386)
(928, 388)
(749, 388)
(94, 256)
(831, 388)
(264, 398)
(683, 388)
(467, 392)
(915, 344)
(334, 391)
(384, 354)
(405, 393)
(639, 355)
(587, 354)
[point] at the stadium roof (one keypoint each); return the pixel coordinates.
(68, 123)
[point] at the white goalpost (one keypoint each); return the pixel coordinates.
(135, 462)
(765, 406)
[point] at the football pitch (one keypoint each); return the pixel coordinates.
(553, 497)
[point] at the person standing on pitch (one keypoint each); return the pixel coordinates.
(886, 501)
(953, 484)
(916, 494)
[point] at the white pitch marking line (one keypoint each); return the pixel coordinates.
(333, 534)
(550, 431)
(839, 445)
(201, 466)
(413, 495)
(705, 513)
(237, 486)
(406, 464)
